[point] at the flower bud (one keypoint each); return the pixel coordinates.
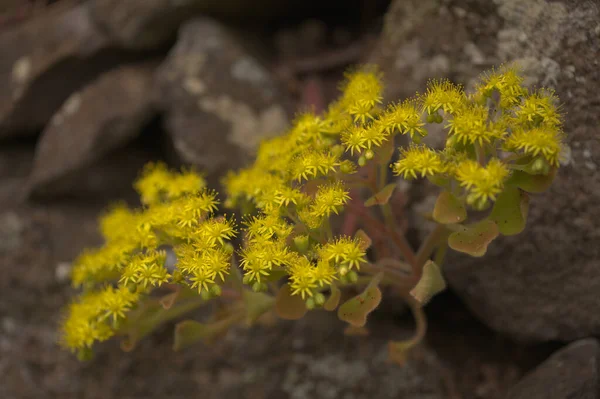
(369, 154)
(319, 299)
(362, 161)
(215, 290)
(352, 276)
(301, 243)
(310, 304)
(204, 294)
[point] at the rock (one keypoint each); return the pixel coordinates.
(218, 99)
(103, 116)
(43, 61)
(16, 160)
(149, 24)
(542, 284)
(572, 372)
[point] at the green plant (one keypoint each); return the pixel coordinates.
(317, 220)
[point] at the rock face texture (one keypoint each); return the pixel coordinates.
(43, 61)
(542, 284)
(102, 117)
(572, 372)
(218, 100)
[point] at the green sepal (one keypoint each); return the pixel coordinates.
(475, 238)
(510, 211)
(448, 209)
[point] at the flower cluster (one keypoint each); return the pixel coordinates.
(298, 184)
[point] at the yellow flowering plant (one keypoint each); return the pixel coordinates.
(312, 221)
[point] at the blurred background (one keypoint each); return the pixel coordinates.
(92, 90)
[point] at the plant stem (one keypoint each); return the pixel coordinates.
(398, 239)
(480, 153)
(429, 245)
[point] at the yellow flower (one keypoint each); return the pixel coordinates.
(216, 230)
(538, 110)
(507, 82)
(362, 92)
(483, 183)
(442, 94)
(471, 126)
(302, 277)
(418, 160)
(405, 117)
(344, 251)
(329, 199)
(544, 141)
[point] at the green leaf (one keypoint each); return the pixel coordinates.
(430, 284)
(510, 211)
(189, 332)
(475, 238)
(288, 306)
(355, 310)
(382, 197)
(334, 299)
(448, 209)
(532, 183)
(257, 304)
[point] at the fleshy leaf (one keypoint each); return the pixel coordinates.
(355, 310)
(431, 283)
(532, 183)
(189, 332)
(510, 211)
(475, 238)
(168, 300)
(382, 197)
(334, 299)
(257, 304)
(448, 209)
(288, 306)
(365, 240)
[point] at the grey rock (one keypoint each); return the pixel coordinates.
(572, 372)
(542, 284)
(102, 117)
(149, 24)
(43, 61)
(218, 99)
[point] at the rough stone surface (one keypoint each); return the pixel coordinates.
(43, 61)
(148, 24)
(103, 116)
(543, 284)
(219, 100)
(572, 372)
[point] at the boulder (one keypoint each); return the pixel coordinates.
(572, 372)
(43, 61)
(103, 116)
(150, 24)
(219, 101)
(542, 284)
